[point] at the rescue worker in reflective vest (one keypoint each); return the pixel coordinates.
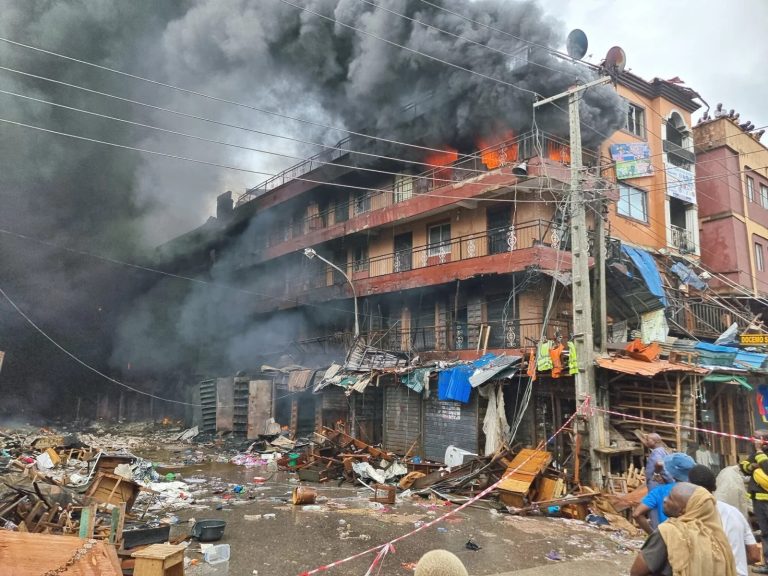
(756, 467)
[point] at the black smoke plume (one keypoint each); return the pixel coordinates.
(121, 203)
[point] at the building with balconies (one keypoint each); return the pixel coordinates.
(656, 167)
(732, 165)
(469, 254)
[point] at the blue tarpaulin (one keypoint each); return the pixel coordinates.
(688, 276)
(648, 270)
(751, 359)
(453, 384)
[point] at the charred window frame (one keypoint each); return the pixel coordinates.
(439, 237)
(633, 203)
(362, 203)
(360, 260)
(403, 187)
(635, 123)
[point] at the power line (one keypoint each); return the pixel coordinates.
(474, 42)
(83, 362)
(412, 50)
(476, 22)
(220, 123)
(216, 98)
(236, 168)
(212, 141)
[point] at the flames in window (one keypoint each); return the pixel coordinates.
(558, 152)
(498, 150)
(444, 158)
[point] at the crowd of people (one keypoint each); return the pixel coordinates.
(698, 524)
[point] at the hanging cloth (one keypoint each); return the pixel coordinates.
(573, 359)
(557, 363)
(532, 366)
(544, 361)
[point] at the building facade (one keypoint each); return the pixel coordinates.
(733, 199)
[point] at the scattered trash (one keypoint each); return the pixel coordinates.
(216, 554)
(471, 545)
(553, 555)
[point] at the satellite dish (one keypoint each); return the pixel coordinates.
(615, 60)
(576, 44)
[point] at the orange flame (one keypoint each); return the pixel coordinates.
(498, 150)
(558, 152)
(444, 158)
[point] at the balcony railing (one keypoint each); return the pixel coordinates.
(682, 240)
(487, 243)
(508, 153)
(297, 171)
(699, 319)
(448, 337)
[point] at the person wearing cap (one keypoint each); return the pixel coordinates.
(677, 465)
(736, 528)
(756, 468)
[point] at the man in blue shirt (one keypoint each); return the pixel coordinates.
(677, 466)
(654, 471)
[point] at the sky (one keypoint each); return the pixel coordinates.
(720, 49)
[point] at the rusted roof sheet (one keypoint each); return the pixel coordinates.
(647, 369)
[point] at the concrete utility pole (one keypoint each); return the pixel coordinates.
(581, 287)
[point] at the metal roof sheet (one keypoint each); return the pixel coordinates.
(647, 369)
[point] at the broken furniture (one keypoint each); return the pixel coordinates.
(24, 554)
(522, 472)
(113, 489)
(159, 560)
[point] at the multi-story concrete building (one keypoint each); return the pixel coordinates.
(455, 254)
(732, 166)
(657, 206)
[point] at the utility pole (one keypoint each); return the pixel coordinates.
(581, 287)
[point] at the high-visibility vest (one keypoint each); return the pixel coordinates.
(544, 362)
(573, 359)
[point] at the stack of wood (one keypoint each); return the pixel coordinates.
(625, 483)
(333, 458)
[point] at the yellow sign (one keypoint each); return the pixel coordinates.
(753, 339)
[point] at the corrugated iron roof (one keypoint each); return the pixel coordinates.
(647, 369)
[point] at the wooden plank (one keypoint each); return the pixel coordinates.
(527, 465)
(678, 431)
(87, 519)
(116, 525)
(732, 456)
(225, 404)
(24, 554)
(259, 406)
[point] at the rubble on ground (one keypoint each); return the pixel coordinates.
(93, 485)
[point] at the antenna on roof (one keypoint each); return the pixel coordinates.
(576, 45)
(615, 60)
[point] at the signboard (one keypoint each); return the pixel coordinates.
(633, 160)
(680, 184)
(753, 339)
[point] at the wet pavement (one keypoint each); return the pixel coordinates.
(344, 523)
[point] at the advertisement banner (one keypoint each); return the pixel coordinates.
(680, 184)
(632, 160)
